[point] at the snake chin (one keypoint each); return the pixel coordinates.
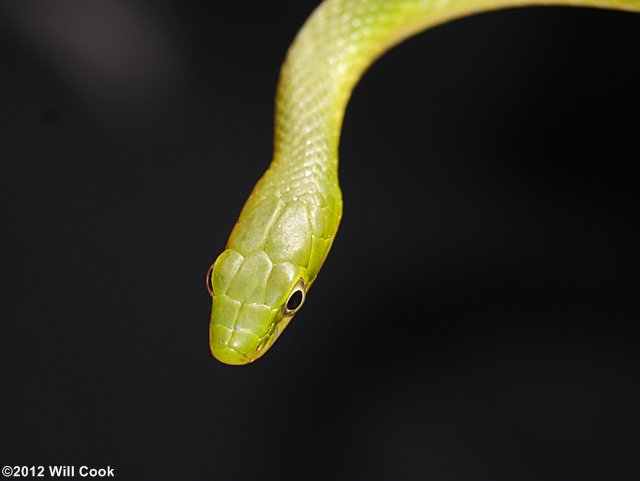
(232, 353)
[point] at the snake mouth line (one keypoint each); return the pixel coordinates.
(229, 355)
(272, 334)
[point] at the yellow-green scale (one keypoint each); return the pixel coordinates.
(290, 220)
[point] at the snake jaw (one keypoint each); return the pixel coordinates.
(228, 355)
(274, 332)
(241, 332)
(235, 335)
(226, 352)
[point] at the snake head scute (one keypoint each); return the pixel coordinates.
(253, 302)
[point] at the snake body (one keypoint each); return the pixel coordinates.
(290, 220)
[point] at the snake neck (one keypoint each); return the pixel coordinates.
(339, 41)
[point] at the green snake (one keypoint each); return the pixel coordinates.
(290, 220)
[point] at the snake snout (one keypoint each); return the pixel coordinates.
(229, 355)
(237, 350)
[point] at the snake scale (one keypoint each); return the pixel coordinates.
(290, 220)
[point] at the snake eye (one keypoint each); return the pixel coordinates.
(296, 299)
(209, 281)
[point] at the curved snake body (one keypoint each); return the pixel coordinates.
(290, 220)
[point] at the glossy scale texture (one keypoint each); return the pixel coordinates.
(290, 220)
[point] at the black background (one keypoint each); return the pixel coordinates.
(476, 319)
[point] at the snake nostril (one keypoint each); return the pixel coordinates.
(208, 280)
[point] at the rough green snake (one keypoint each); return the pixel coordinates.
(290, 220)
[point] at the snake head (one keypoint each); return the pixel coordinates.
(253, 302)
